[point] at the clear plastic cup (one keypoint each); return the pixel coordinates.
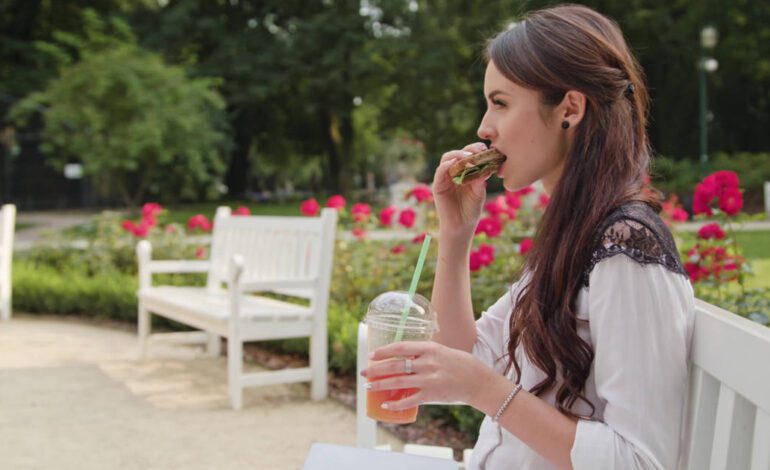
(383, 319)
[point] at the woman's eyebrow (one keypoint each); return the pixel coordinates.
(494, 93)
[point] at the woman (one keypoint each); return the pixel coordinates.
(583, 363)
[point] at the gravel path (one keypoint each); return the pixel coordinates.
(74, 396)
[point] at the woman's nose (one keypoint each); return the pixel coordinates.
(485, 130)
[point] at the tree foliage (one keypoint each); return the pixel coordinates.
(330, 83)
(135, 123)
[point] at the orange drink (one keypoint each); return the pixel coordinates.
(391, 317)
(375, 399)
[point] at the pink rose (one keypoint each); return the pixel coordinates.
(200, 252)
(475, 261)
(512, 200)
(336, 202)
(199, 221)
(711, 231)
(495, 207)
(705, 192)
(422, 193)
(524, 191)
(486, 254)
(489, 226)
(526, 245)
(128, 225)
(406, 217)
(680, 215)
(151, 209)
(149, 220)
(386, 215)
(141, 231)
(359, 233)
(419, 238)
(731, 201)
(397, 249)
(543, 200)
(309, 207)
(243, 210)
(726, 179)
(361, 211)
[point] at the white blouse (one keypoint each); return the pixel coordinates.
(639, 321)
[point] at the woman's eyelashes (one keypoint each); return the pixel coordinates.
(498, 104)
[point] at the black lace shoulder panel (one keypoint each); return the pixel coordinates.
(635, 230)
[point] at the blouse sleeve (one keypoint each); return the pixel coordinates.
(490, 347)
(640, 320)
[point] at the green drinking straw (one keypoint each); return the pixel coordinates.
(413, 287)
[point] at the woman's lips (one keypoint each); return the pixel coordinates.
(500, 168)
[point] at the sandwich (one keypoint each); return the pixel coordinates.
(476, 166)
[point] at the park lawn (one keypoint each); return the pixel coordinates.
(755, 244)
(761, 277)
(756, 249)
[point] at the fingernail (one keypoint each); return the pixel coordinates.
(368, 385)
(467, 154)
(385, 406)
(363, 373)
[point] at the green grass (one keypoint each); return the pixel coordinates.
(761, 277)
(756, 249)
(755, 244)
(24, 226)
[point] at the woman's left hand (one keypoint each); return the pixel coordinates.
(441, 374)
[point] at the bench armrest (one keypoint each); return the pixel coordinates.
(148, 267)
(178, 266)
(276, 284)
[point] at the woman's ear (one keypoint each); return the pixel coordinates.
(572, 108)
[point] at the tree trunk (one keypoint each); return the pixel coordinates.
(338, 138)
(237, 178)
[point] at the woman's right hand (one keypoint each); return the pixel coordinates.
(458, 206)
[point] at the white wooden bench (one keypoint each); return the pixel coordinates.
(249, 254)
(727, 426)
(7, 228)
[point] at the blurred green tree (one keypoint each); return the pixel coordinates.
(135, 123)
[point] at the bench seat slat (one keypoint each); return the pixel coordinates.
(216, 304)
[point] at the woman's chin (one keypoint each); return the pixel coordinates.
(510, 185)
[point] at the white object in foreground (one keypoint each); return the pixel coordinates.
(336, 457)
(727, 425)
(728, 410)
(7, 226)
(284, 255)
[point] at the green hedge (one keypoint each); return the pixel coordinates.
(38, 288)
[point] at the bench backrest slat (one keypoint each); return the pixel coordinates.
(728, 421)
(273, 248)
(760, 455)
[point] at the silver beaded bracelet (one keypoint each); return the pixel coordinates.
(507, 402)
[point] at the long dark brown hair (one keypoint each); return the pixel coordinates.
(552, 51)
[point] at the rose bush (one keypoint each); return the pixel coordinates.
(714, 261)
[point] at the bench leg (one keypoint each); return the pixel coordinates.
(319, 363)
(234, 371)
(213, 345)
(144, 330)
(5, 310)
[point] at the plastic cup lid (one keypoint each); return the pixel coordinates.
(385, 310)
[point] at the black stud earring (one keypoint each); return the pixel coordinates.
(564, 124)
